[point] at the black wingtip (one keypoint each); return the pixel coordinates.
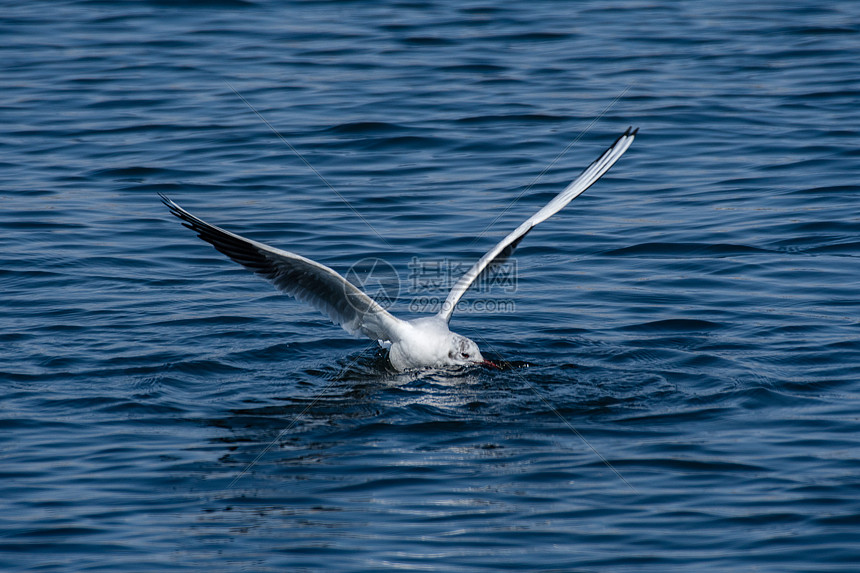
(164, 199)
(175, 209)
(630, 132)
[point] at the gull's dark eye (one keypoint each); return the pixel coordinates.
(464, 355)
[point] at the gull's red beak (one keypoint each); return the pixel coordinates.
(489, 364)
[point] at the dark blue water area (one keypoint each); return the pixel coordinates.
(680, 346)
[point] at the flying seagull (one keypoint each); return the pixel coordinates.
(424, 342)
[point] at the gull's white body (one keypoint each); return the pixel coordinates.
(425, 342)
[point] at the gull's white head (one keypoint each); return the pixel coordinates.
(464, 351)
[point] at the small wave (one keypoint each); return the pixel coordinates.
(365, 127)
(675, 325)
(514, 117)
(685, 249)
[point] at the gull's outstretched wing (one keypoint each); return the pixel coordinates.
(507, 245)
(302, 278)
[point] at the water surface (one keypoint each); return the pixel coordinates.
(683, 338)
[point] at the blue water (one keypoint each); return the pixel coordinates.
(683, 340)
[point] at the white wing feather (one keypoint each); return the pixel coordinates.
(304, 279)
(507, 245)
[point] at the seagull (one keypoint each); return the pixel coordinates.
(424, 342)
